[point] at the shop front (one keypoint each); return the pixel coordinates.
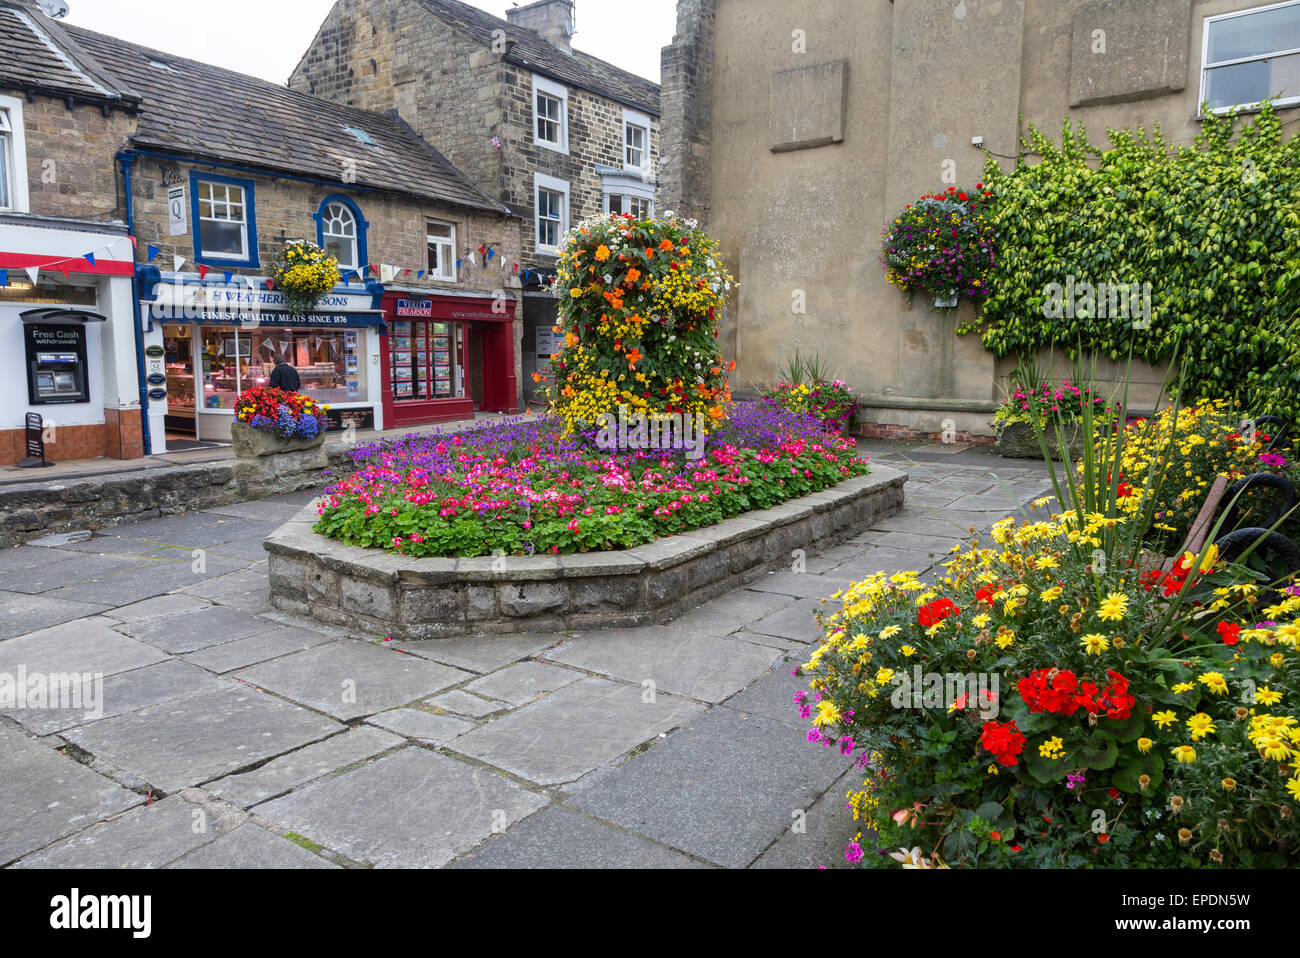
(445, 357)
(208, 344)
(70, 388)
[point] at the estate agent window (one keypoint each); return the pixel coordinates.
(551, 112)
(224, 221)
(441, 240)
(1252, 56)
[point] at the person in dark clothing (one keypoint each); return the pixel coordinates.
(285, 377)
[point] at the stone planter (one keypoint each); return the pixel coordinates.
(1017, 440)
(414, 599)
(251, 443)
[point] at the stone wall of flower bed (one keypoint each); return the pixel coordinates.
(31, 510)
(392, 595)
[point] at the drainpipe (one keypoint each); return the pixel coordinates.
(126, 160)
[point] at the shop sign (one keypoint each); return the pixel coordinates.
(415, 308)
(177, 220)
(256, 318)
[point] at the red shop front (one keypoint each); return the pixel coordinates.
(445, 358)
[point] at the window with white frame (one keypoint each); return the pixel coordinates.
(1252, 56)
(223, 220)
(441, 240)
(13, 157)
(639, 206)
(552, 212)
(636, 140)
(339, 232)
(551, 115)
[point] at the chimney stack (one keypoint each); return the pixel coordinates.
(552, 19)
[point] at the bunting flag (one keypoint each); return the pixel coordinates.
(177, 263)
(490, 253)
(270, 286)
(89, 258)
(203, 273)
(482, 251)
(32, 272)
(458, 262)
(134, 244)
(516, 270)
(374, 269)
(227, 275)
(153, 252)
(4, 278)
(420, 274)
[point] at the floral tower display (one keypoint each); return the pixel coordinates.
(638, 310)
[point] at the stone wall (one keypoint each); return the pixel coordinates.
(800, 228)
(414, 599)
(35, 509)
(71, 170)
(687, 104)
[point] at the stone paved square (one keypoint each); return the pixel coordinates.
(521, 683)
(201, 737)
(570, 732)
(348, 679)
(411, 809)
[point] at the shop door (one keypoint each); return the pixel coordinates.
(474, 362)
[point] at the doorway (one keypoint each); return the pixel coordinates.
(474, 366)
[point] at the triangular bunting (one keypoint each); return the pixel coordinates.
(227, 277)
(482, 251)
(153, 252)
(4, 278)
(420, 274)
(177, 263)
(203, 272)
(89, 258)
(32, 272)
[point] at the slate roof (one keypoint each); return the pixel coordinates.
(581, 70)
(36, 55)
(204, 111)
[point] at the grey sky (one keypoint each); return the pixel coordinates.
(266, 37)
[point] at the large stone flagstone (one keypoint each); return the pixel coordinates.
(45, 796)
(411, 809)
(521, 683)
(562, 838)
(145, 837)
(724, 788)
(198, 629)
(84, 645)
(123, 692)
(250, 846)
(21, 613)
(201, 737)
(349, 679)
(570, 732)
(314, 761)
(482, 653)
(690, 663)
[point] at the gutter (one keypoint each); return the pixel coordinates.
(126, 159)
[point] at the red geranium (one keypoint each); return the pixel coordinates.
(934, 612)
(1004, 740)
(1230, 632)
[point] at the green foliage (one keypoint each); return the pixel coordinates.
(1214, 228)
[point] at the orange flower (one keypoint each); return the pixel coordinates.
(666, 246)
(632, 276)
(537, 377)
(649, 253)
(633, 358)
(602, 253)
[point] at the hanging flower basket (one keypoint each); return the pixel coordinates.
(304, 272)
(943, 244)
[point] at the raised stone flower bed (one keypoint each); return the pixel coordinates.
(411, 599)
(1017, 440)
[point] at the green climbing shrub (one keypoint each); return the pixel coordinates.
(1213, 228)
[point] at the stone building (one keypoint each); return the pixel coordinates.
(840, 113)
(555, 134)
(205, 174)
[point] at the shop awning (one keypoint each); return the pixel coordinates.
(267, 317)
(61, 314)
